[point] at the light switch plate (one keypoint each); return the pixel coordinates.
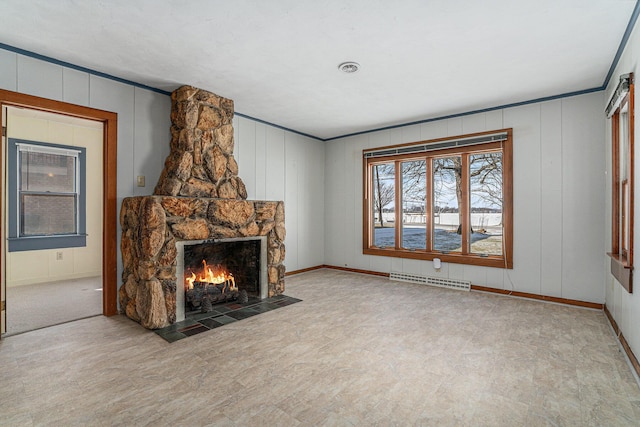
(140, 180)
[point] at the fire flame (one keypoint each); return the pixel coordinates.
(207, 275)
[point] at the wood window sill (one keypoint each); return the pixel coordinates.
(622, 271)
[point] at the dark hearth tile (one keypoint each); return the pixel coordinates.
(173, 336)
(285, 302)
(190, 327)
(224, 319)
(176, 326)
(200, 316)
(221, 309)
(242, 314)
(221, 315)
(211, 323)
(195, 331)
(270, 305)
(263, 307)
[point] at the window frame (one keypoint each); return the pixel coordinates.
(18, 242)
(465, 256)
(622, 191)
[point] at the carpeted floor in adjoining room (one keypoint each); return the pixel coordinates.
(357, 350)
(37, 306)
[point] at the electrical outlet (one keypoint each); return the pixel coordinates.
(58, 256)
(141, 181)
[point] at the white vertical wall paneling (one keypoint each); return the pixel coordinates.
(494, 120)
(360, 260)
(411, 133)
(247, 155)
(75, 86)
(474, 123)
(275, 169)
(476, 275)
(350, 238)
(526, 196)
(413, 266)
(354, 202)
(291, 200)
(39, 78)
(454, 126)
(335, 202)
(316, 197)
(152, 138)
(261, 162)
(119, 98)
(551, 201)
(8, 70)
(583, 194)
(432, 130)
(495, 278)
(303, 202)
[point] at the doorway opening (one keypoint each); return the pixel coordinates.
(82, 274)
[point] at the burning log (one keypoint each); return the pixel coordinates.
(210, 286)
(210, 292)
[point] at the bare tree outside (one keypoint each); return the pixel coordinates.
(384, 193)
(414, 198)
(485, 202)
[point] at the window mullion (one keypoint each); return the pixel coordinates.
(429, 203)
(398, 203)
(464, 209)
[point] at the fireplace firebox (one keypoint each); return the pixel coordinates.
(217, 271)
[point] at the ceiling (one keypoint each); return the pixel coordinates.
(278, 60)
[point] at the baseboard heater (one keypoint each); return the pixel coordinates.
(461, 285)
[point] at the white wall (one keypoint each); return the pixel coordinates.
(559, 188)
(143, 115)
(276, 164)
(624, 307)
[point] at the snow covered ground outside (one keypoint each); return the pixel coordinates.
(415, 238)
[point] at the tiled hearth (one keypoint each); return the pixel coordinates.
(222, 314)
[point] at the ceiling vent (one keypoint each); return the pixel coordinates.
(349, 67)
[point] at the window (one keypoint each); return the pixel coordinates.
(620, 110)
(46, 203)
(449, 198)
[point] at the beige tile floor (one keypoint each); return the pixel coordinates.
(358, 350)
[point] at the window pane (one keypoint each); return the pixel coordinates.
(414, 191)
(447, 192)
(624, 196)
(47, 172)
(485, 175)
(44, 215)
(383, 182)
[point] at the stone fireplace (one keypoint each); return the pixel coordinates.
(199, 198)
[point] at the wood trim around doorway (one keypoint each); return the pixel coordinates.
(109, 236)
